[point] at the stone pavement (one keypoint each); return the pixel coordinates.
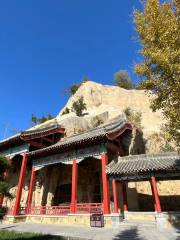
(123, 232)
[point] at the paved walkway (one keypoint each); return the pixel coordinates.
(123, 232)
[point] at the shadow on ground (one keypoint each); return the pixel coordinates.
(129, 234)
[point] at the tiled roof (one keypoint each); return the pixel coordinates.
(140, 164)
(117, 125)
(29, 134)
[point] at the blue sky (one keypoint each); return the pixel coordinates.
(46, 45)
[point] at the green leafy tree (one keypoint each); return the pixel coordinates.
(158, 28)
(122, 79)
(4, 187)
(79, 106)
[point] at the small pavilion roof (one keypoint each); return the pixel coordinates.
(31, 134)
(105, 131)
(144, 163)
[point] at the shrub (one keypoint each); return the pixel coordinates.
(66, 111)
(79, 106)
(133, 117)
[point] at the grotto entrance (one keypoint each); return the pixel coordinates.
(62, 194)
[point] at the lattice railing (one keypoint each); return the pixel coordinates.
(89, 207)
(60, 210)
(22, 211)
(50, 210)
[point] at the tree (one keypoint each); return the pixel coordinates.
(79, 106)
(66, 111)
(122, 79)
(158, 28)
(73, 89)
(35, 120)
(4, 187)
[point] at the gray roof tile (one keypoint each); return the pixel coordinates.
(136, 164)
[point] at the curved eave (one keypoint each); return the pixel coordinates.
(16, 139)
(29, 135)
(92, 137)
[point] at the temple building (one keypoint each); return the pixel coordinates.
(60, 179)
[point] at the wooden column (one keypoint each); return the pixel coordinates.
(115, 196)
(20, 184)
(106, 201)
(1, 200)
(74, 187)
(153, 197)
(125, 202)
(156, 195)
(31, 188)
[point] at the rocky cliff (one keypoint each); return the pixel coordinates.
(105, 102)
(113, 100)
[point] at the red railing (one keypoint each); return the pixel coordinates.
(60, 210)
(89, 207)
(10, 211)
(22, 210)
(63, 209)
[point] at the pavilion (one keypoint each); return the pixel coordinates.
(77, 175)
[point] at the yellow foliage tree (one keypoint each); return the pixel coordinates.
(158, 28)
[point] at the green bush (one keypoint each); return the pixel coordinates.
(79, 106)
(66, 111)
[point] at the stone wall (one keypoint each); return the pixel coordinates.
(169, 192)
(12, 178)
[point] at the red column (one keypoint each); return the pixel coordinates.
(1, 199)
(115, 196)
(106, 202)
(31, 187)
(74, 187)
(155, 194)
(125, 203)
(20, 184)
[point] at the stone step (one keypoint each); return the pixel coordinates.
(138, 223)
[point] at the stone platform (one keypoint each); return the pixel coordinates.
(125, 231)
(163, 220)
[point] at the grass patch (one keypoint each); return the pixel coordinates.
(12, 235)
